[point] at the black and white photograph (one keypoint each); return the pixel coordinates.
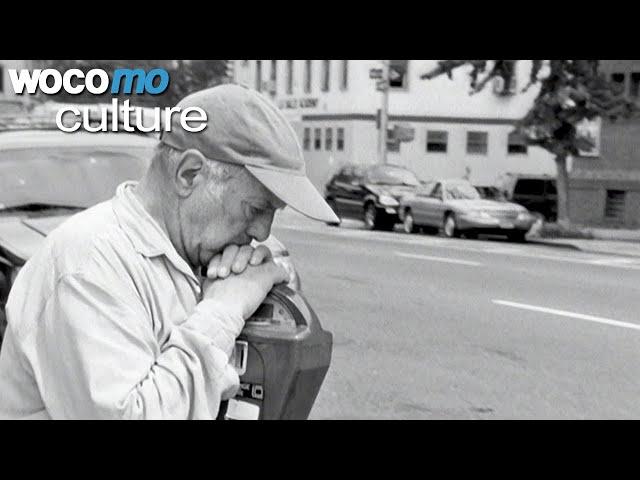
(319, 239)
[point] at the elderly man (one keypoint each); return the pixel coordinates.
(112, 319)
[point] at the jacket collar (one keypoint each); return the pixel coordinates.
(147, 237)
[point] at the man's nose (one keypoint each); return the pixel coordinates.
(261, 229)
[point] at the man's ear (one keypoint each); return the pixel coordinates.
(190, 172)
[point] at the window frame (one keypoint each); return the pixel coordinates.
(485, 134)
(340, 139)
(430, 143)
(306, 139)
(325, 79)
(317, 139)
(290, 70)
(328, 139)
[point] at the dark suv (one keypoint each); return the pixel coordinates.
(370, 193)
(537, 193)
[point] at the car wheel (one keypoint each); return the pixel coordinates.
(518, 236)
(408, 225)
(450, 227)
(370, 216)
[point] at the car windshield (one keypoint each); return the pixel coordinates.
(491, 193)
(386, 175)
(64, 176)
(462, 191)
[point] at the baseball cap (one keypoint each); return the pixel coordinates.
(245, 128)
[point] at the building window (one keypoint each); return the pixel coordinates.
(318, 139)
(307, 76)
(477, 143)
(614, 205)
(289, 77)
(393, 147)
(634, 89)
(344, 81)
(340, 139)
(306, 139)
(398, 70)
(259, 75)
(437, 141)
(274, 77)
(517, 144)
(618, 79)
(328, 139)
(326, 75)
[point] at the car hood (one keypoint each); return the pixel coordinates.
(396, 191)
(486, 205)
(22, 236)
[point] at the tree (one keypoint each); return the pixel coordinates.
(186, 76)
(571, 91)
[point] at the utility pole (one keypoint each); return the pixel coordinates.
(383, 86)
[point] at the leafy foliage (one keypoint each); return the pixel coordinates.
(571, 91)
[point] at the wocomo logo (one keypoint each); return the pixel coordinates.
(97, 82)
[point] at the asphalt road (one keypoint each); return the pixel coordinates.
(431, 328)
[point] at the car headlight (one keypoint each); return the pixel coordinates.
(480, 214)
(388, 201)
(524, 216)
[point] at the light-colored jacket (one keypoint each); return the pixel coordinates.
(106, 322)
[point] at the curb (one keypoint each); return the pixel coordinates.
(571, 246)
(567, 246)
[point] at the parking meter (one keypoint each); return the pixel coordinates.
(282, 357)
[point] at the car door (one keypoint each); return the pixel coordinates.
(419, 203)
(348, 197)
(431, 206)
(335, 191)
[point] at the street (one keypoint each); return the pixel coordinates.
(431, 328)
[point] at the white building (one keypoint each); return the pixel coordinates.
(333, 105)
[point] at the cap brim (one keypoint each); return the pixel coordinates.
(297, 191)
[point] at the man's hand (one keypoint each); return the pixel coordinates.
(235, 259)
(247, 290)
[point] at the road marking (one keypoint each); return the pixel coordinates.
(563, 313)
(439, 259)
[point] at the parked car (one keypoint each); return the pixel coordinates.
(537, 193)
(457, 208)
(370, 193)
(47, 175)
(490, 192)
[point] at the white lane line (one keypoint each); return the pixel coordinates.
(439, 259)
(563, 313)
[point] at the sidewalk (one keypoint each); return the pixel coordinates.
(606, 241)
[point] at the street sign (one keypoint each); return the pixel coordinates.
(382, 85)
(375, 73)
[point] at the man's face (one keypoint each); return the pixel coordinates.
(235, 211)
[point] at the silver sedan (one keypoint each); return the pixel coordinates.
(457, 208)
